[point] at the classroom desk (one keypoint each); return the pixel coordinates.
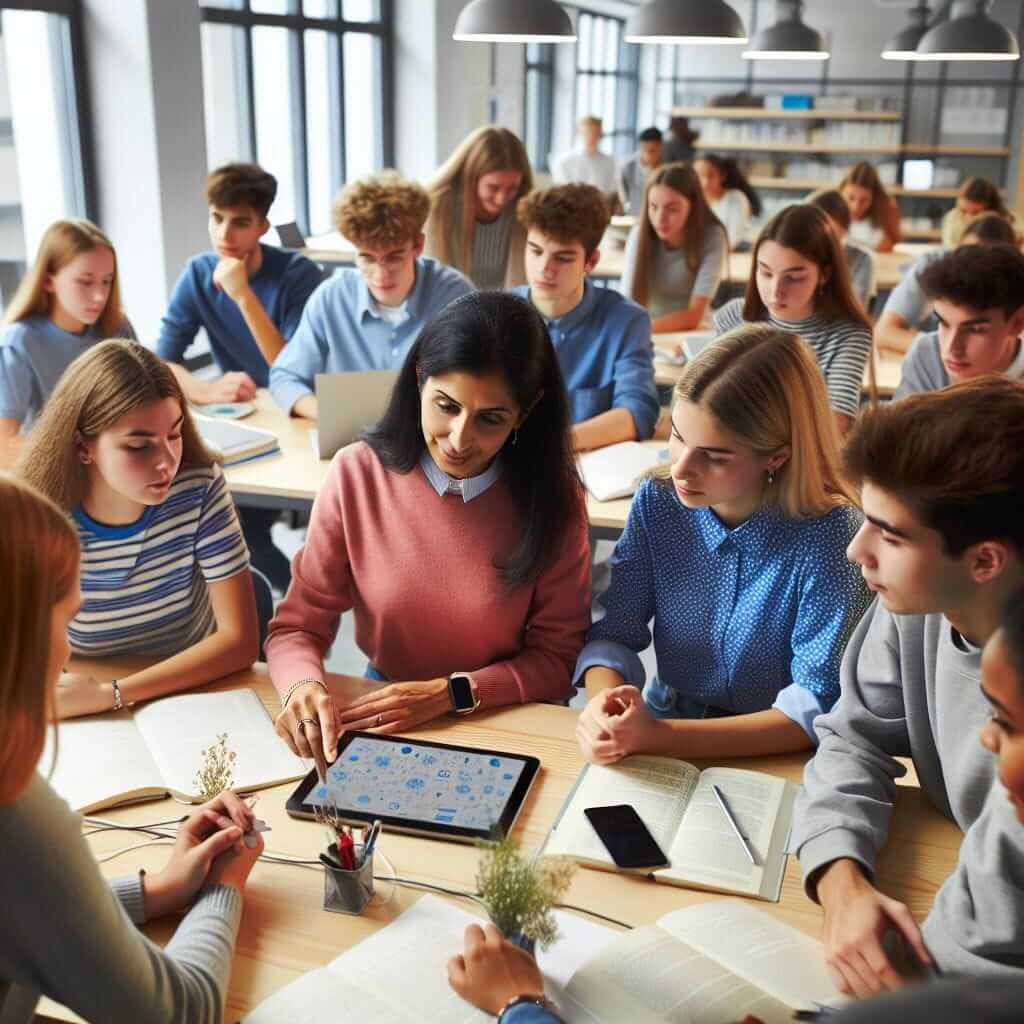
(285, 932)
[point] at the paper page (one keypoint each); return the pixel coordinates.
(647, 977)
(99, 758)
(613, 471)
(657, 787)
(783, 961)
(178, 729)
(707, 851)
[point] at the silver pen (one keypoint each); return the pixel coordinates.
(720, 797)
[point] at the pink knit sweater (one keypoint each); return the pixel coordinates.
(416, 570)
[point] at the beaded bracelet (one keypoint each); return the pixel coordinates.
(302, 682)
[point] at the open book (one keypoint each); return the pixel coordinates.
(709, 964)
(616, 471)
(126, 756)
(234, 442)
(677, 805)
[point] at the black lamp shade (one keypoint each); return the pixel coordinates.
(514, 21)
(788, 39)
(903, 45)
(974, 36)
(685, 21)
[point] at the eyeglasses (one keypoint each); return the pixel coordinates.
(392, 261)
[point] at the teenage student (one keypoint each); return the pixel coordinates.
(978, 293)
(976, 196)
(366, 318)
(164, 566)
(248, 297)
(602, 339)
(676, 255)
(908, 309)
(732, 198)
(587, 165)
(69, 300)
(859, 261)
(753, 501)
(66, 932)
(799, 282)
(456, 533)
(636, 170)
(472, 223)
(874, 215)
(502, 979)
(941, 478)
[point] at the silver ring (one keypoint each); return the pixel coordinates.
(380, 719)
(302, 724)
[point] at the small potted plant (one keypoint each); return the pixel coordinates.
(520, 894)
(217, 770)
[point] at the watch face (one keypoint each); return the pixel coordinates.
(461, 690)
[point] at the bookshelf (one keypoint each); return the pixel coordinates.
(761, 114)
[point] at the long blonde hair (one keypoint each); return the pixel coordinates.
(681, 178)
(61, 243)
(39, 564)
(486, 149)
(103, 384)
(764, 386)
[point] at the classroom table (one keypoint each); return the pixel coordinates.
(286, 933)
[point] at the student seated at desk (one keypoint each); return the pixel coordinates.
(799, 283)
(367, 318)
(676, 255)
(874, 215)
(587, 165)
(636, 170)
(975, 197)
(248, 297)
(738, 553)
(908, 309)
(942, 485)
(164, 566)
(472, 224)
(66, 932)
(733, 200)
(456, 533)
(602, 339)
(502, 979)
(69, 300)
(859, 261)
(978, 292)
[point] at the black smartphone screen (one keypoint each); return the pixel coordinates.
(625, 836)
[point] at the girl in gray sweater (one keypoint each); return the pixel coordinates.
(65, 932)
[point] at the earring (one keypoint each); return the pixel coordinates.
(515, 437)
(771, 478)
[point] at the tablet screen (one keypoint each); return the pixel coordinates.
(429, 787)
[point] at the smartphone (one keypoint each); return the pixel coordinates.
(625, 836)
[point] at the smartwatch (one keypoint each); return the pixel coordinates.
(460, 692)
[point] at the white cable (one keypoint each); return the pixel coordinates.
(137, 846)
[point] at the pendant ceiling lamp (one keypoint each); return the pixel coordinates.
(973, 35)
(789, 38)
(903, 45)
(514, 21)
(685, 21)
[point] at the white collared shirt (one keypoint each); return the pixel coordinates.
(468, 488)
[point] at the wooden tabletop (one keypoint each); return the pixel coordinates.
(285, 932)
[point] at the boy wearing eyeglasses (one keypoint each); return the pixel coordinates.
(367, 318)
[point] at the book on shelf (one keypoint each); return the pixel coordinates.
(710, 963)
(678, 805)
(234, 442)
(147, 753)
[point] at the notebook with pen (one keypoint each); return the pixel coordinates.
(678, 804)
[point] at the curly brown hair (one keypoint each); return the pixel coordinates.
(385, 209)
(566, 213)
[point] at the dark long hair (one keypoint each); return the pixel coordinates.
(481, 333)
(732, 176)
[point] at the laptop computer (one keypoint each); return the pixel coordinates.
(290, 236)
(347, 404)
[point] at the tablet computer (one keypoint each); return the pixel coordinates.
(424, 788)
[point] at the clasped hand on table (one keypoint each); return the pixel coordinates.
(614, 724)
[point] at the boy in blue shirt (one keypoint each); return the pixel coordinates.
(368, 318)
(249, 298)
(603, 339)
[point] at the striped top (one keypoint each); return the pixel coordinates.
(490, 249)
(144, 585)
(841, 347)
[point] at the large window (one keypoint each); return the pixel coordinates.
(540, 90)
(300, 87)
(45, 165)
(607, 79)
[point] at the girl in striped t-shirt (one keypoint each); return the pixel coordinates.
(164, 570)
(800, 283)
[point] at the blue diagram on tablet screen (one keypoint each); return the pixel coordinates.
(451, 787)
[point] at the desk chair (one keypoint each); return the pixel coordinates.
(264, 605)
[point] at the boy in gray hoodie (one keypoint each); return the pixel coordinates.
(942, 489)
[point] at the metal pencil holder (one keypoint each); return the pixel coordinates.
(348, 892)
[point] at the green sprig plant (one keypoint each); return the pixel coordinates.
(520, 895)
(217, 770)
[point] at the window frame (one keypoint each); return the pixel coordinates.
(544, 70)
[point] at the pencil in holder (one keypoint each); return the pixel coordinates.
(348, 891)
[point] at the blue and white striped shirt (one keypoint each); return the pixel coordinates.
(144, 585)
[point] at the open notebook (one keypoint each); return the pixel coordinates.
(126, 756)
(616, 471)
(708, 964)
(678, 807)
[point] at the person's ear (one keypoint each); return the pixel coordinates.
(265, 228)
(1015, 325)
(779, 458)
(82, 449)
(48, 285)
(988, 560)
(592, 261)
(417, 245)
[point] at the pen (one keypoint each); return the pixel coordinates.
(720, 797)
(345, 847)
(371, 840)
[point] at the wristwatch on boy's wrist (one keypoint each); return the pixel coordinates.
(462, 693)
(541, 1001)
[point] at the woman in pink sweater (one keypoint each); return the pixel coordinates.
(456, 533)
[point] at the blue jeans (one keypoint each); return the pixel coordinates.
(667, 702)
